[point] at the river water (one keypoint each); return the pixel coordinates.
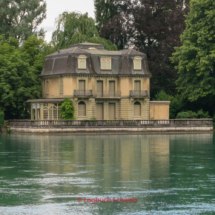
(65, 174)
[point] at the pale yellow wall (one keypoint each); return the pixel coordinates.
(68, 86)
(127, 109)
(124, 106)
(53, 87)
(159, 111)
(123, 84)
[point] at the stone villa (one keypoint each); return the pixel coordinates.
(105, 85)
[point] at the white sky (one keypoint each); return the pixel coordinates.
(56, 7)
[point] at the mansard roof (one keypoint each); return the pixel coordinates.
(65, 61)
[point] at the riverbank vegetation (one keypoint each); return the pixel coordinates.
(1, 119)
(177, 36)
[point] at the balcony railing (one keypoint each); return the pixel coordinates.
(139, 93)
(108, 94)
(83, 93)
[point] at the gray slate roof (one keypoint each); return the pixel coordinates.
(65, 61)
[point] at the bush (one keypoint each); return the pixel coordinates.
(191, 114)
(67, 109)
(202, 114)
(1, 119)
(93, 118)
(186, 114)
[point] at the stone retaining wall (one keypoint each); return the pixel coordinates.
(97, 130)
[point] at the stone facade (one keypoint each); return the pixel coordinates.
(106, 85)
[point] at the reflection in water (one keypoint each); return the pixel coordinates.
(54, 170)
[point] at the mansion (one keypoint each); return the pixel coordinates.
(106, 85)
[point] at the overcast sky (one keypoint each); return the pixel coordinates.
(56, 7)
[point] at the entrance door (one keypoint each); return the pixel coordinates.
(112, 114)
(99, 111)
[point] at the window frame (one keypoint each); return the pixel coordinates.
(104, 67)
(80, 58)
(135, 67)
(82, 103)
(139, 103)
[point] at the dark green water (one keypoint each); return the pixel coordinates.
(168, 174)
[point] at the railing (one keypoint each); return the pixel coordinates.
(84, 93)
(112, 123)
(108, 94)
(139, 93)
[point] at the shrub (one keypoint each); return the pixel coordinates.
(93, 118)
(67, 109)
(186, 114)
(1, 119)
(191, 114)
(202, 114)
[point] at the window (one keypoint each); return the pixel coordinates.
(112, 88)
(82, 62)
(137, 109)
(82, 85)
(137, 63)
(51, 111)
(100, 88)
(105, 63)
(81, 109)
(61, 86)
(137, 85)
(47, 87)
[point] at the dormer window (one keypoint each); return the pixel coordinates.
(82, 62)
(137, 63)
(105, 63)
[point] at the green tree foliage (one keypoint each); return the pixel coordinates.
(112, 21)
(67, 109)
(20, 66)
(105, 10)
(176, 102)
(1, 119)
(73, 28)
(191, 114)
(153, 26)
(196, 57)
(21, 18)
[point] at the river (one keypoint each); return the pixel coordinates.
(132, 174)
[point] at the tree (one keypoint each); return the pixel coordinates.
(21, 18)
(154, 27)
(1, 119)
(73, 28)
(116, 32)
(67, 109)
(20, 66)
(111, 21)
(105, 10)
(196, 57)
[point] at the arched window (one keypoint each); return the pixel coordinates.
(137, 63)
(81, 109)
(82, 62)
(137, 109)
